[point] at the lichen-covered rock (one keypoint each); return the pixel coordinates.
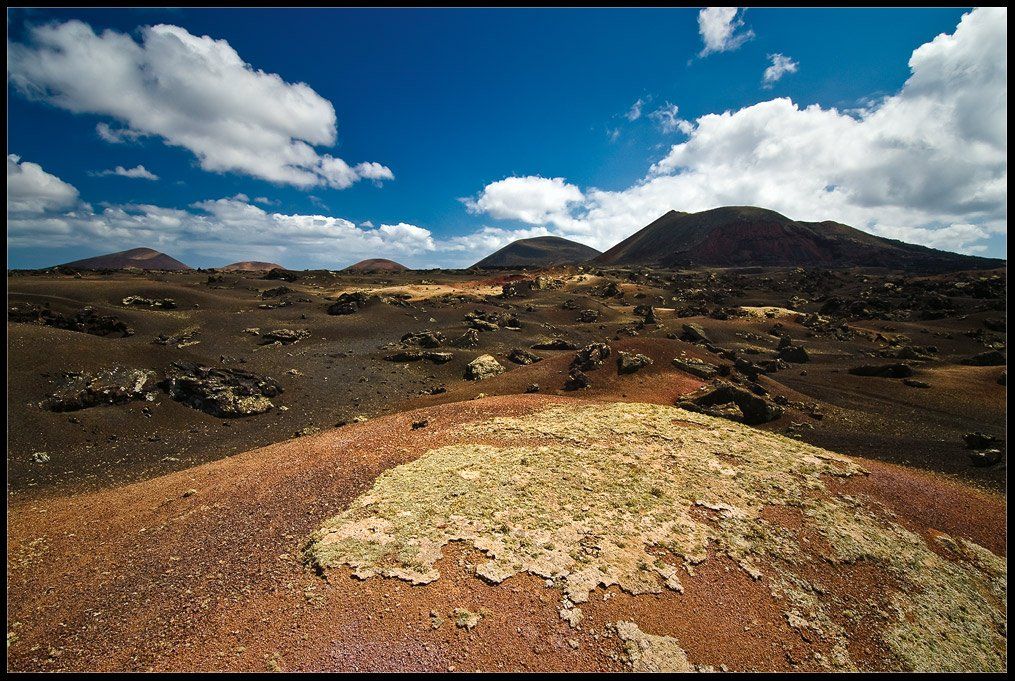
(482, 368)
(694, 333)
(349, 303)
(696, 367)
(629, 362)
(555, 344)
(116, 385)
(729, 401)
(424, 339)
(284, 336)
(794, 353)
(156, 303)
(898, 370)
(991, 358)
(591, 356)
(520, 356)
(220, 392)
(86, 320)
(469, 339)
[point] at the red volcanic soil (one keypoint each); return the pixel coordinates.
(135, 258)
(250, 266)
(202, 569)
(376, 265)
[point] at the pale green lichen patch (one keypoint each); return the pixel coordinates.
(624, 482)
(649, 653)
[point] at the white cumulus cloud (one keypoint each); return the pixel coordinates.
(30, 189)
(927, 164)
(720, 29)
(190, 91)
(138, 173)
(780, 66)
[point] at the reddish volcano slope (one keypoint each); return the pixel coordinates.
(207, 568)
(540, 251)
(251, 266)
(376, 265)
(748, 236)
(139, 258)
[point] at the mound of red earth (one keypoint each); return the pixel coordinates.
(540, 251)
(376, 265)
(745, 236)
(583, 536)
(135, 258)
(250, 266)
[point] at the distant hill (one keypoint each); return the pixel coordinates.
(250, 266)
(376, 265)
(539, 251)
(739, 236)
(135, 258)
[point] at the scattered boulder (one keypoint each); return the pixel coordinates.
(157, 303)
(284, 336)
(577, 380)
(555, 344)
(424, 339)
(980, 440)
(591, 356)
(693, 333)
(416, 356)
(116, 385)
(276, 292)
(226, 393)
(914, 383)
(469, 339)
(520, 356)
(717, 400)
(516, 289)
(628, 362)
(794, 353)
(280, 274)
(696, 367)
(483, 367)
(349, 303)
(991, 358)
(588, 316)
(86, 320)
(899, 370)
(534, 388)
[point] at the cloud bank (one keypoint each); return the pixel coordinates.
(927, 165)
(192, 92)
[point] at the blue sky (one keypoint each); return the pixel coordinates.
(448, 104)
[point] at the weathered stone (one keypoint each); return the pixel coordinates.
(899, 370)
(588, 316)
(116, 385)
(577, 380)
(591, 356)
(220, 392)
(555, 344)
(483, 367)
(520, 356)
(469, 339)
(629, 362)
(158, 303)
(991, 358)
(424, 339)
(696, 367)
(716, 401)
(794, 353)
(86, 320)
(284, 336)
(694, 333)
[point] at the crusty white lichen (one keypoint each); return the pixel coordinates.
(619, 482)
